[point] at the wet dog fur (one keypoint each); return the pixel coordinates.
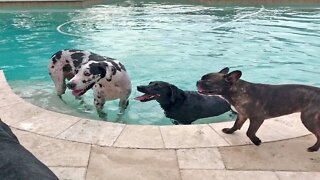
(183, 107)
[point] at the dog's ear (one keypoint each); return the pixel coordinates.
(224, 70)
(110, 71)
(176, 94)
(102, 69)
(98, 68)
(233, 77)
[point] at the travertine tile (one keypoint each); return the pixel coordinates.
(126, 164)
(237, 138)
(274, 129)
(4, 86)
(138, 136)
(55, 152)
(227, 175)
(69, 173)
(47, 123)
(284, 175)
(200, 158)
(95, 132)
(190, 136)
(7, 97)
(287, 155)
(18, 112)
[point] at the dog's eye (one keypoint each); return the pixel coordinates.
(86, 73)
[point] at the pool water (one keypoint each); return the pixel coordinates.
(177, 43)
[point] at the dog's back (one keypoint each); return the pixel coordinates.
(196, 106)
(276, 100)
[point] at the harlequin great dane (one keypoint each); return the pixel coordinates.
(85, 70)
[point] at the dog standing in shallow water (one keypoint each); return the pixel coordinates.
(258, 102)
(183, 107)
(85, 70)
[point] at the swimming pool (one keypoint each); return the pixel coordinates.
(160, 41)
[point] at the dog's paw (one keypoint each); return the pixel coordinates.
(227, 130)
(256, 141)
(102, 115)
(313, 149)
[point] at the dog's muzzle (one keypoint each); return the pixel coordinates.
(71, 85)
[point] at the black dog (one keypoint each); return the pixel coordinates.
(182, 106)
(262, 101)
(18, 163)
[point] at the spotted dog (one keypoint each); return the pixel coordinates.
(258, 102)
(85, 70)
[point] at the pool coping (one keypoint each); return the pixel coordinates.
(65, 127)
(82, 149)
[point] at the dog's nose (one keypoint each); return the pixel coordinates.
(140, 88)
(71, 85)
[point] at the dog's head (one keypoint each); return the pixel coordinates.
(163, 92)
(218, 83)
(88, 74)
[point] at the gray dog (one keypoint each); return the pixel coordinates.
(258, 102)
(183, 107)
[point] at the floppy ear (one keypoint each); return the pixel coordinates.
(233, 77)
(102, 69)
(110, 71)
(224, 70)
(176, 94)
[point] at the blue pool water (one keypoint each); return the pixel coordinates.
(177, 43)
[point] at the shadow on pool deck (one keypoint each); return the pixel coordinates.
(76, 148)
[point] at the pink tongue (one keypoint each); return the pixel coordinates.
(200, 89)
(76, 92)
(143, 97)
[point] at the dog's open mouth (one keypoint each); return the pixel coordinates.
(204, 92)
(80, 92)
(147, 97)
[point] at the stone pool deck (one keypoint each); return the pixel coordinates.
(78, 149)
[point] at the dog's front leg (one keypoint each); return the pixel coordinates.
(237, 124)
(255, 124)
(123, 104)
(99, 102)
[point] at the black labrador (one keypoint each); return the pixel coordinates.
(183, 107)
(16, 162)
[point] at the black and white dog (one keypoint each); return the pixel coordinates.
(85, 70)
(183, 107)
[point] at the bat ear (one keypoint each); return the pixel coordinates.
(224, 70)
(233, 77)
